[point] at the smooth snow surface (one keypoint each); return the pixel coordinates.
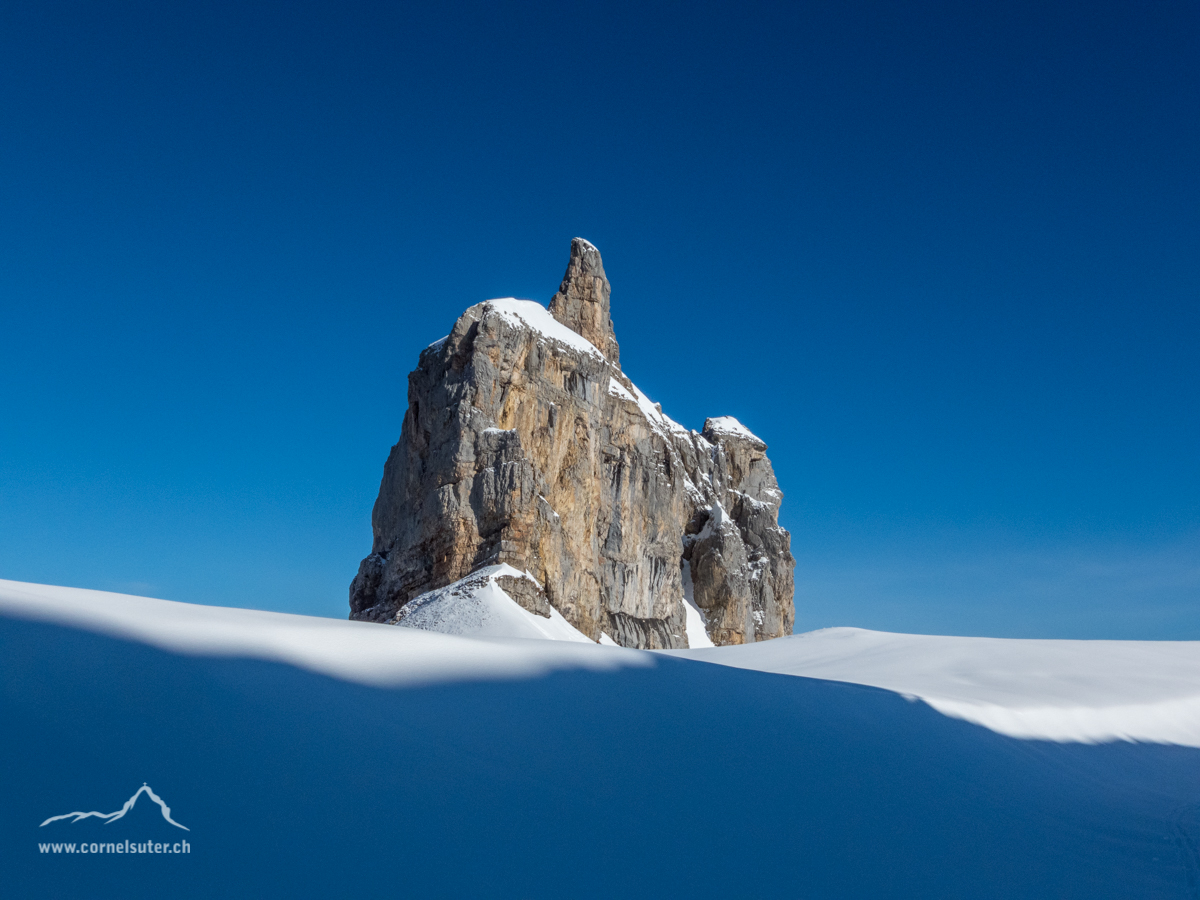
(477, 606)
(363, 652)
(1085, 691)
(530, 314)
(730, 425)
(438, 765)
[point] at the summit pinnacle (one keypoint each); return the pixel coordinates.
(582, 301)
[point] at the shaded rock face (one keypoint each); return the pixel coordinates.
(524, 443)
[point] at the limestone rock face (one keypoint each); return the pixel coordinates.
(524, 443)
(582, 301)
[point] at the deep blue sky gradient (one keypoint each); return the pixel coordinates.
(941, 257)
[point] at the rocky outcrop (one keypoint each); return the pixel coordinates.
(524, 443)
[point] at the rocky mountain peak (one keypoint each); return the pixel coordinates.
(525, 446)
(582, 301)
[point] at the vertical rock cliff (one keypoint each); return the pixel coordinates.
(525, 444)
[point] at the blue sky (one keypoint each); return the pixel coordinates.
(941, 257)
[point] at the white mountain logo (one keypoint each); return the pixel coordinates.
(113, 816)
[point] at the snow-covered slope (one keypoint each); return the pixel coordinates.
(323, 758)
(1084, 691)
(1057, 690)
(476, 606)
(531, 314)
(377, 655)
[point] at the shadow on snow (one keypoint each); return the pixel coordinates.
(685, 779)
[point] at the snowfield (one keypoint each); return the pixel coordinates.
(1086, 691)
(1057, 690)
(314, 757)
(361, 652)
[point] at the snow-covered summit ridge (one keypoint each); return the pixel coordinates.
(532, 315)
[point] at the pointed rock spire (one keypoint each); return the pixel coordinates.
(561, 469)
(582, 300)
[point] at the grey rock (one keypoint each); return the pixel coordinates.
(526, 593)
(582, 301)
(523, 445)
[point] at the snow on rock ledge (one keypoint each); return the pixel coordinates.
(731, 427)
